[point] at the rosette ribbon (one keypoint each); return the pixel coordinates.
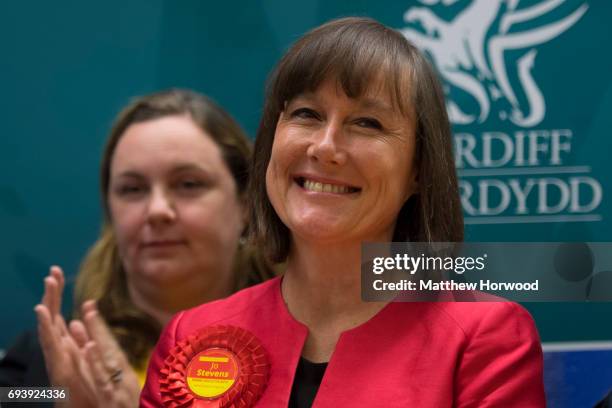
(239, 385)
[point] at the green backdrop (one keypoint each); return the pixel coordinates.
(67, 67)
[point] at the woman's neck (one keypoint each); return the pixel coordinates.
(327, 276)
(163, 301)
(322, 289)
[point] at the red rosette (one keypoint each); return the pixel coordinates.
(216, 367)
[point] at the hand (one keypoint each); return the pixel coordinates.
(84, 358)
(64, 359)
(116, 383)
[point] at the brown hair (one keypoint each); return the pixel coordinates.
(102, 276)
(357, 52)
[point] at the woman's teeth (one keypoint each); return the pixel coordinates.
(325, 188)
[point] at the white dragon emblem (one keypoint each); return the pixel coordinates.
(471, 53)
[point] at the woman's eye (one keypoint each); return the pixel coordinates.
(304, 113)
(130, 190)
(191, 185)
(369, 123)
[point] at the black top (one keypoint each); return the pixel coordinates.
(606, 402)
(24, 366)
(306, 383)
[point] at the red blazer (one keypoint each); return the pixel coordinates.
(408, 355)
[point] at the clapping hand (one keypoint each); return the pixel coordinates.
(84, 356)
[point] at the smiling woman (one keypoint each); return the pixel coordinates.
(341, 167)
(354, 146)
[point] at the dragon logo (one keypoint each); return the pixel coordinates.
(474, 51)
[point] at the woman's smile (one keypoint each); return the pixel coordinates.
(337, 174)
(318, 184)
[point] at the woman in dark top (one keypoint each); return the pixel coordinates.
(173, 179)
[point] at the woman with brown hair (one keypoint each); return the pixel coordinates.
(354, 146)
(173, 179)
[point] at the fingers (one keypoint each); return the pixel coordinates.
(54, 286)
(112, 356)
(101, 376)
(118, 387)
(57, 361)
(95, 325)
(58, 274)
(51, 286)
(89, 306)
(47, 298)
(114, 377)
(79, 333)
(47, 334)
(52, 301)
(53, 335)
(52, 298)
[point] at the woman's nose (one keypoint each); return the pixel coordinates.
(327, 145)
(161, 208)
